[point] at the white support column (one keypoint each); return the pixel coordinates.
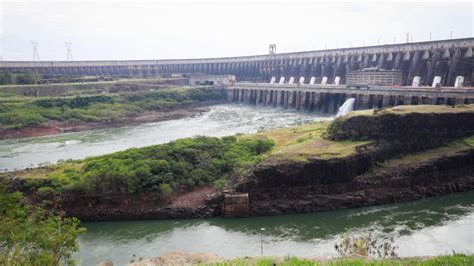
(436, 81)
(416, 81)
(272, 81)
(324, 81)
(301, 80)
(337, 80)
(292, 80)
(282, 80)
(459, 82)
(312, 81)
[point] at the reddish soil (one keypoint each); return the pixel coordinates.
(194, 198)
(54, 127)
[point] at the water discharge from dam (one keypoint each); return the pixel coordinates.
(346, 107)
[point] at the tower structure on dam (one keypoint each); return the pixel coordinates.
(443, 61)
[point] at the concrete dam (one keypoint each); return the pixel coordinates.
(442, 61)
(328, 98)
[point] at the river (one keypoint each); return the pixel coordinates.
(420, 228)
(221, 120)
(427, 227)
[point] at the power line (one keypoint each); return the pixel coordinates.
(36, 56)
(68, 51)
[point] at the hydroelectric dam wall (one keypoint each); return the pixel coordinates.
(446, 59)
(328, 98)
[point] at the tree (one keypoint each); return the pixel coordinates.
(31, 236)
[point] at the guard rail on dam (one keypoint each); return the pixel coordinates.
(328, 98)
(447, 59)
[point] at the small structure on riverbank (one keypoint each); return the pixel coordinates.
(216, 80)
(236, 205)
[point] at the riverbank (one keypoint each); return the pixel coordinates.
(305, 171)
(30, 116)
(182, 258)
(59, 127)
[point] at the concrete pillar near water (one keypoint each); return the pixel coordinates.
(311, 101)
(337, 80)
(458, 100)
(292, 80)
(301, 80)
(290, 99)
(416, 81)
(299, 96)
(436, 81)
(282, 80)
(230, 95)
(278, 98)
(312, 81)
(267, 97)
(317, 101)
(273, 80)
(324, 81)
(365, 101)
(385, 101)
(407, 100)
(459, 82)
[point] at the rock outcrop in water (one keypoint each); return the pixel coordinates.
(408, 159)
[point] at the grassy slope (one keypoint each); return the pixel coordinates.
(457, 259)
(301, 142)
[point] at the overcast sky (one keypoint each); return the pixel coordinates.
(185, 29)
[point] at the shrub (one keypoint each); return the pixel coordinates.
(366, 245)
(46, 191)
(31, 236)
(166, 188)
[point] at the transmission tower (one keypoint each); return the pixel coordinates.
(36, 56)
(68, 51)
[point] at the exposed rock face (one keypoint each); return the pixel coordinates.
(277, 185)
(116, 206)
(419, 127)
(414, 181)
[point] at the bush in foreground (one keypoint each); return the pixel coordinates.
(31, 236)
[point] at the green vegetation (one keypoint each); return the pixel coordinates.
(24, 111)
(455, 259)
(31, 236)
(7, 78)
(183, 163)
